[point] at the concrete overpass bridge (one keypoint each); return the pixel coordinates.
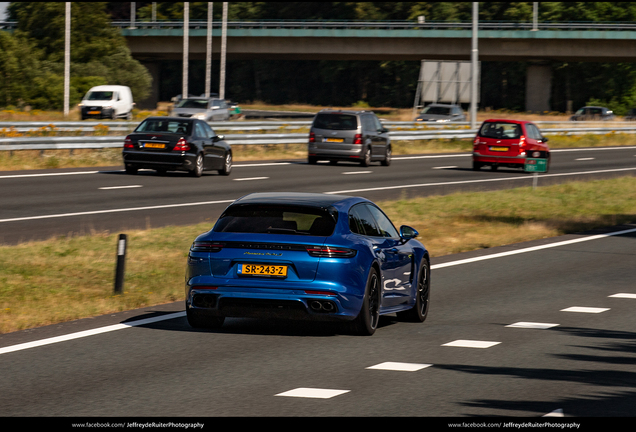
(153, 42)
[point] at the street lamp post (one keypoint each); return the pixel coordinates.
(473, 57)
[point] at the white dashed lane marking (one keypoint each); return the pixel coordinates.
(317, 393)
(357, 172)
(532, 325)
(463, 343)
(120, 187)
(396, 366)
(585, 309)
(624, 295)
(250, 178)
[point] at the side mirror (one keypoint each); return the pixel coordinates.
(544, 139)
(408, 233)
(217, 138)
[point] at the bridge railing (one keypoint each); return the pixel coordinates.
(376, 25)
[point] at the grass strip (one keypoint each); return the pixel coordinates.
(66, 278)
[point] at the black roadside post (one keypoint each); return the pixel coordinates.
(121, 264)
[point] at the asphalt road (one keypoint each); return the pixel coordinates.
(41, 204)
(501, 340)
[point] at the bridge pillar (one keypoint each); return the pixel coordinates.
(150, 103)
(538, 87)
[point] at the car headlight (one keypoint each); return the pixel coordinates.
(442, 120)
(200, 116)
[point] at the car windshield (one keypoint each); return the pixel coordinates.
(336, 121)
(192, 103)
(436, 110)
(99, 95)
(276, 219)
(500, 130)
(169, 126)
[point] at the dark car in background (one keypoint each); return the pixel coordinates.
(593, 113)
(508, 143)
(358, 136)
(306, 256)
(176, 144)
(442, 113)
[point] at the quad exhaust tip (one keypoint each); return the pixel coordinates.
(322, 306)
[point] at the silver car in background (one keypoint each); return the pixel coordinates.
(442, 113)
(206, 109)
(354, 136)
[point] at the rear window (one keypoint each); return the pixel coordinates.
(192, 103)
(437, 110)
(171, 126)
(500, 130)
(277, 219)
(336, 121)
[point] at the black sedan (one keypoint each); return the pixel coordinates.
(176, 144)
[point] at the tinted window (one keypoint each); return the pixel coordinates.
(378, 125)
(500, 130)
(362, 222)
(436, 110)
(208, 130)
(384, 224)
(533, 132)
(276, 219)
(367, 123)
(200, 132)
(336, 121)
(160, 125)
(99, 95)
(192, 103)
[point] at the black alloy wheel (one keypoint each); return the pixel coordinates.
(367, 320)
(419, 312)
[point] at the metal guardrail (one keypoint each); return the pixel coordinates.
(100, 142)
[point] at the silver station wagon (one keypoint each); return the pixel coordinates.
(354, 136)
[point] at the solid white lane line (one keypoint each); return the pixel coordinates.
(120, 187)
(624, 295)
(250, 178)
(47, 174)
(406, 186)
(86, 333)
(463, 343)
(585, 309)
(113, 211)
(584, 159)
(532, 325)
(445, 167)
(531, 249)
(397, 366)
(317, 393)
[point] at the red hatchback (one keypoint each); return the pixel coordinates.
(507, 143)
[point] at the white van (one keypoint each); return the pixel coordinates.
(107, 101)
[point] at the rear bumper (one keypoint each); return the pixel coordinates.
(489, 158)
(355, 153)
(98, 112)
(177, 161)
(289, 302)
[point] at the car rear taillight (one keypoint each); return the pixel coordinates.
(330, 252)
(322, 293)
(312, 137)
(522, 143)
(206, 246)
(476, 141)
(357, 139)
(182, 145)
(128, 143)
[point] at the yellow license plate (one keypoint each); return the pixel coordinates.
(154, 145)
(498, 148)
(94, 112)
(334, 140)
(262, 270)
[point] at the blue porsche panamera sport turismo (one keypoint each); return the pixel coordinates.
(306, 256)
